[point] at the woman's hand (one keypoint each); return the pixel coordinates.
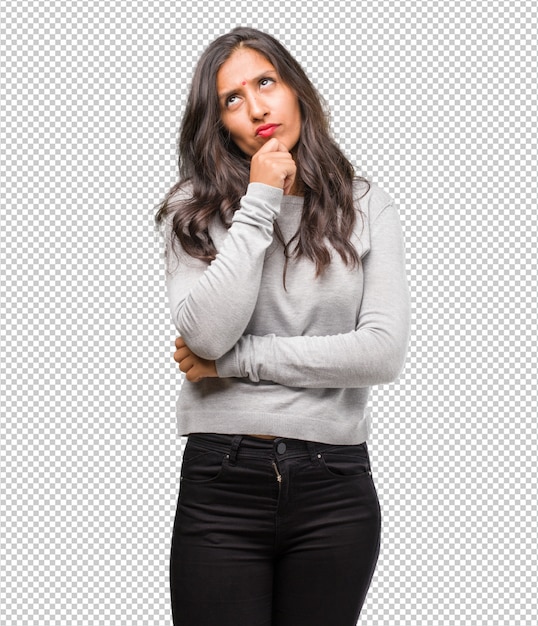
(273, 165)
(192, 365)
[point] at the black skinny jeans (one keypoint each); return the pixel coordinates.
(273, 533)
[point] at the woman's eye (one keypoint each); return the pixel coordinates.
(266, 81)
(230, 100)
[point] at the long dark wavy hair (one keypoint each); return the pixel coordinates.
(218, 171)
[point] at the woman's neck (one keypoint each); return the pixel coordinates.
(297, 188)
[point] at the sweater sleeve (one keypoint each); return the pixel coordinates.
(211, 304)
(371, 354)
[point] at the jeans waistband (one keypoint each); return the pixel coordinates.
(254, 447)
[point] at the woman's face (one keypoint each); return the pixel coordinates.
(255, 104)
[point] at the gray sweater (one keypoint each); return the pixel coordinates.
(298, 362)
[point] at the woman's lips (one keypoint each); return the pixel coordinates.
(267, 130)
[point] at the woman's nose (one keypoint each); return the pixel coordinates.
(257, 107)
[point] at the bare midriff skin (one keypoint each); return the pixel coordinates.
(263, 436)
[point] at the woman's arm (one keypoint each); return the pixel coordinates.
(194, 367)
(212, 304)
(371, 354)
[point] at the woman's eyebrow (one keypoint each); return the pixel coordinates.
(225, 94)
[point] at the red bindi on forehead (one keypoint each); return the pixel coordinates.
(244, 82)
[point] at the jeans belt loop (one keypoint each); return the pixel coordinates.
(312, 450)
(236, 442)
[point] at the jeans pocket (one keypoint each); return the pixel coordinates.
(201, 466)
(345, 461)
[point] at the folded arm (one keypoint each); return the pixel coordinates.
(212, 303)
(372, 353)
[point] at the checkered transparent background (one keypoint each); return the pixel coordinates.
(437, 102)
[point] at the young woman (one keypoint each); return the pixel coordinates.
(286, 281)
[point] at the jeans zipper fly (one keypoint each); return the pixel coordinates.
(278, 476)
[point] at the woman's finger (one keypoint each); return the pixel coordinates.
(181, 354)
(193, 377)
(180, 343)
(186, 364)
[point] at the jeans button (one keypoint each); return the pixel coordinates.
(281, 447)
